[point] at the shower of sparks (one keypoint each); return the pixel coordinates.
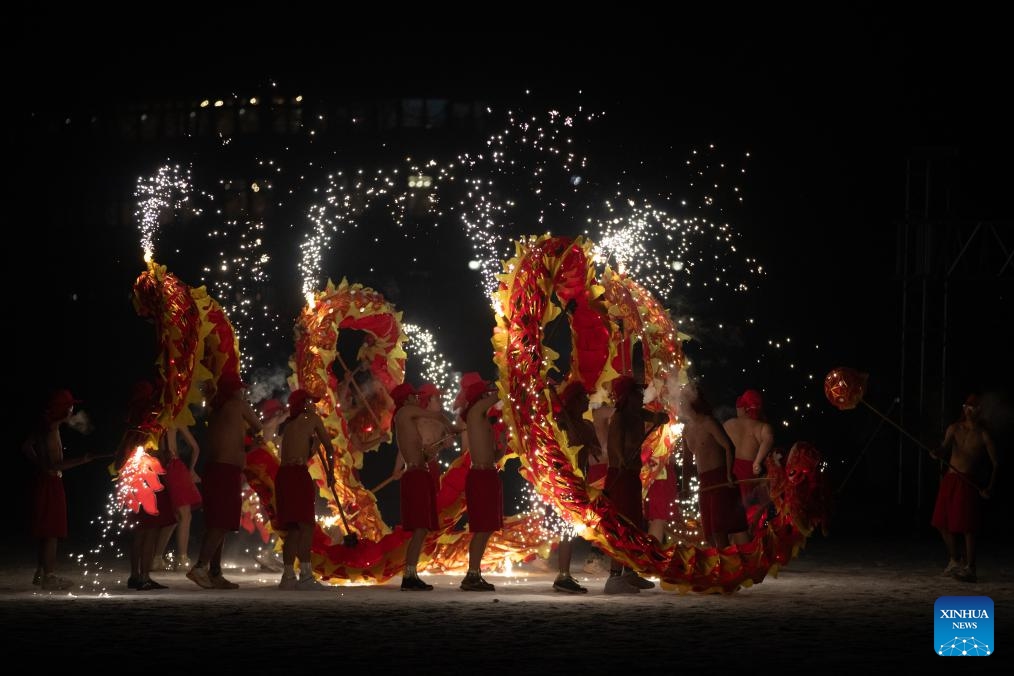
(116, 530)
(530, 176)
(552, 526)
(136, 483)
(348, 195)
(661, 251)
(671, 243)
(166, 191)
(526, 178)
(436, 368)
(239, 276)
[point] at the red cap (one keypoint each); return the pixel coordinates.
(270, 408)
(573, 390)
(62, 399)
(472, 388)
(59, 402)
(298, 400)
(229, 383)
(401, 393)
(622, 387)
(750, 401)
(426, 392)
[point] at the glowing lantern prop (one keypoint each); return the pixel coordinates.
(845, 387)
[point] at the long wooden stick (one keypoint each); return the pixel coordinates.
(923, 446)
(735, 483)
(382, 484)
(350, 539)
(865, 448)
(439, 442)
(431, 446)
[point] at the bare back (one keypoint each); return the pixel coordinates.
(582, 433)
(46, 448)
(227, 427)
(600, 419)
(301, 438)
(709, 443)
(628, 428)
(480, 433)
(751, 438)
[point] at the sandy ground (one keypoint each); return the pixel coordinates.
(843, 603)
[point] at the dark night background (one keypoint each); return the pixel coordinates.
(846, 122)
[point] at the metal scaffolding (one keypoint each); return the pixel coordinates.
(940, 256)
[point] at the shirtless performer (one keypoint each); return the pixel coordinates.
(295, 492)
(629, 426)
(722, 515)
(49, 501)
(434, 437)
(483, 487)
(420, 477)
(230, 418)
(958, 507)
(753, 439)
(580, 433)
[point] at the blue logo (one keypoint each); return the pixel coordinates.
(963, 626)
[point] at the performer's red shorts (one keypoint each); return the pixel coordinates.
(433, 467)
(418, 499)
(165, 517)
(661, 502)
(295, 496)
(484, 500)
(182, 489)
(49, 507)
(741, 470)
(721, 508)
(597, 475)
(958, 508)
(223, 495)
(623, 486)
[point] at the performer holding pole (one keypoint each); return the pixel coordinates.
(304, 432)
(722, 515)
(419, 476)
(958, 508)
(753, 439)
